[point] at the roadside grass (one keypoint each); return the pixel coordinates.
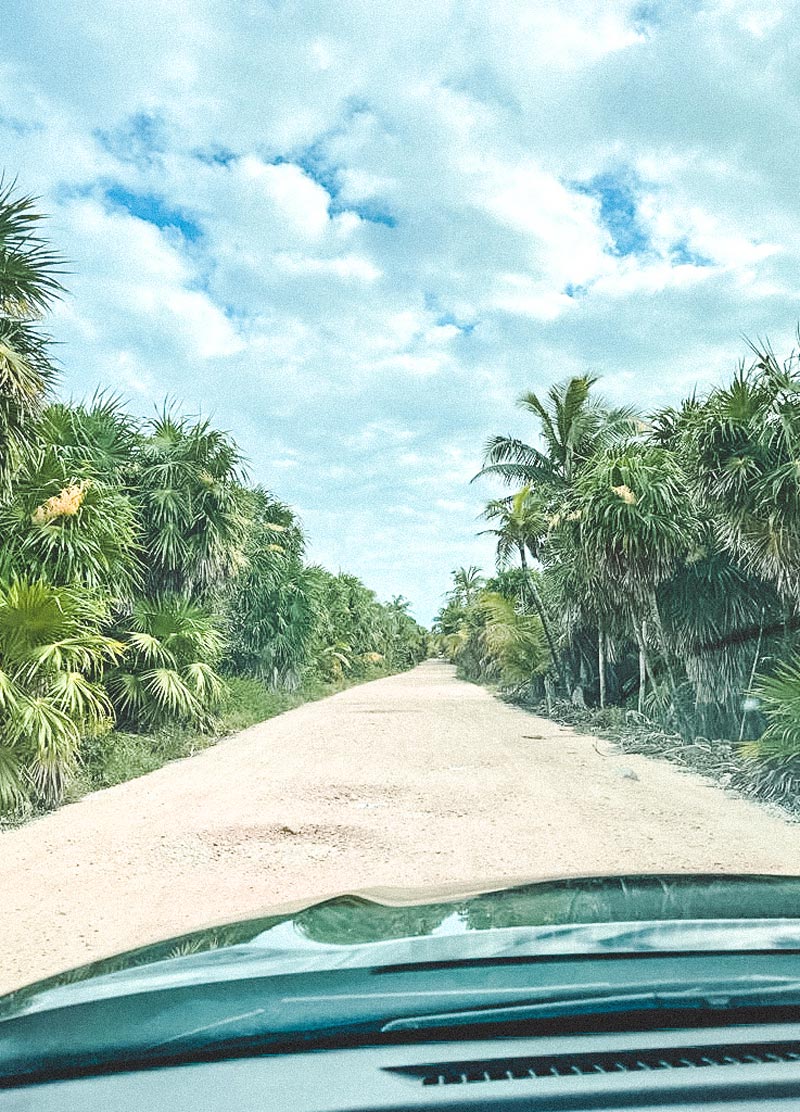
(121, 756)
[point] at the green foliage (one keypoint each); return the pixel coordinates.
(28, 285)
(167, 675)
(403, 641)
(779, 696)
(191, 505)
(136, 564)
(28, 267)
(514, 643)
(356, 635)
(52, 653)
(69, 527)
(573, 426)
(636, 518)
(492, 638)
(97, 440)
(467, 582)
(675, 540)
(744, 444)
(521, 525)
(272, 606)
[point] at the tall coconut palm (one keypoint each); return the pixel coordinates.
(573, 426)
(521, 525)
(467, 582)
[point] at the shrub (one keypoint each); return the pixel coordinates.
(52, 652)
(168, 673)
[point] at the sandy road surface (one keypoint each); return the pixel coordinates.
(413, 780)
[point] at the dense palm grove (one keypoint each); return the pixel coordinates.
(649, 561)
(139, 571)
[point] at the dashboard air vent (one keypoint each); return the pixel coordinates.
(562, 1065)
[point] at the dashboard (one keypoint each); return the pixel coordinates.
(732, 1068)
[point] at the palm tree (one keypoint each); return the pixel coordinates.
(67, 525)
(573, 427)
(521, 527)
(192, 508)
(743, 444)
(512, 643)
(168, 672)
(466, 583)
(705, 606)
(96, 438)
(400, 603)
(637, 520)
(404, 641)
(28, 275)
(772, 760)
(272, 602)
(28, 286)
(52, 653)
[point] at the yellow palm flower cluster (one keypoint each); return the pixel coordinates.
(625, 493)
(64, 504)
(372, 658)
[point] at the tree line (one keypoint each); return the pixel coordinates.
(139, 568)
(648, 561)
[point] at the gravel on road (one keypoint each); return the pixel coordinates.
(418, 779)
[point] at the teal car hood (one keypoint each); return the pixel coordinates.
(340, 964)
(587, 915)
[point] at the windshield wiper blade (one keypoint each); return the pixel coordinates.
(719, 997)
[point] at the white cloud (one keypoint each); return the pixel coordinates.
(294, 198)
(345, 266)
(383, 243)
(127, 270)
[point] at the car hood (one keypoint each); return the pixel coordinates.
(577, 916)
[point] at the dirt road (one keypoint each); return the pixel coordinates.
(414, 780)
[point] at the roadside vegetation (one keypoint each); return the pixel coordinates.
(648, 572)
(151, 599)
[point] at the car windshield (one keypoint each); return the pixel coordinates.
(399, 504)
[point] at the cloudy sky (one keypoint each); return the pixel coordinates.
(354, 233)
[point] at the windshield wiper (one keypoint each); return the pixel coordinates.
(719, 997)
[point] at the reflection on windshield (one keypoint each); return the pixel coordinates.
(351, 919)
(355, 920)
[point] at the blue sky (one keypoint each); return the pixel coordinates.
(355, 233)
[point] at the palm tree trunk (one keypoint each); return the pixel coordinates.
(753, 671)
(645, 670)
(601, 665)
(539, 608)
(642, 679)
(663, 641)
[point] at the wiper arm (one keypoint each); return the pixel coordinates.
(719, 997)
